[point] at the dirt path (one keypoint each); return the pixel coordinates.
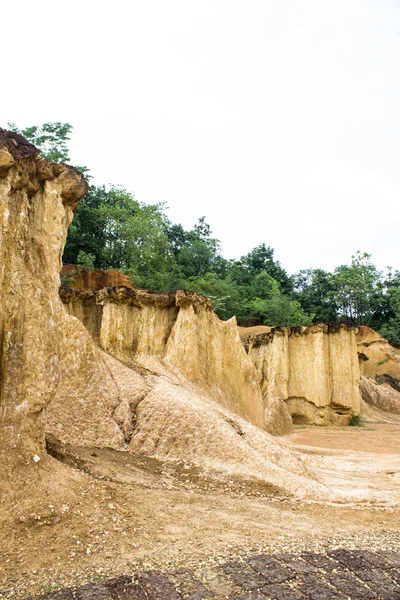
(376, 438)
(132, 514)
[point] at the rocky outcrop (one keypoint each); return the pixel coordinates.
(78, 278)
(313, 369)
(278, 420)
(37, 200)
(380, 381)
(163, 396)
(177, 333)
(378, 357)
(379, 395)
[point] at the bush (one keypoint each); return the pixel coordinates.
(356, 421)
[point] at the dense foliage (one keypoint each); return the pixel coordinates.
(111, 229)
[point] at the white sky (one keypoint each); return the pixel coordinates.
(277, 120)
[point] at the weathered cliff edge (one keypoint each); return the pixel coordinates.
(314, 370)
(37, 199)
(177, 332)
(53, 376)
(161, 375)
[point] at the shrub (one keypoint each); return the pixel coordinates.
(356, 421)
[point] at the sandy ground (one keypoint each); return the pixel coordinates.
(376, 438)
(131, 513)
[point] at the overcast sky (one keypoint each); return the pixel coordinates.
(279, 121)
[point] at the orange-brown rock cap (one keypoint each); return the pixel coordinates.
(34, 169)
(97, 279)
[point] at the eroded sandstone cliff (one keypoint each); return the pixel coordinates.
(53, 375)
(313, 369)
(37, 199)
(154, 374)
(173, 333)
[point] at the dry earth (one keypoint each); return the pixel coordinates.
(375, 438)
(132, 513)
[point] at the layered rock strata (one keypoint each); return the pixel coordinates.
(313, 369)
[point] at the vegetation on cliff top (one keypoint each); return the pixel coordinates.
(111, 229)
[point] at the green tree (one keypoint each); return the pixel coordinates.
(199, 253)
(225, 294)
(278, 309)
(314, 288)
(50, 138)
(389, 327)
(87, 231)
(258, 260)
(122, 233)
(85, 261)
(356, 289)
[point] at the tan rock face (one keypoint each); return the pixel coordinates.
(195, 381)
(177, 333)
(313, 369)
(37, 199)
(380, 396)
(278, 420)
(380, 381)
(378, 356)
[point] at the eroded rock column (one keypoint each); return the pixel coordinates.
(37, 199)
